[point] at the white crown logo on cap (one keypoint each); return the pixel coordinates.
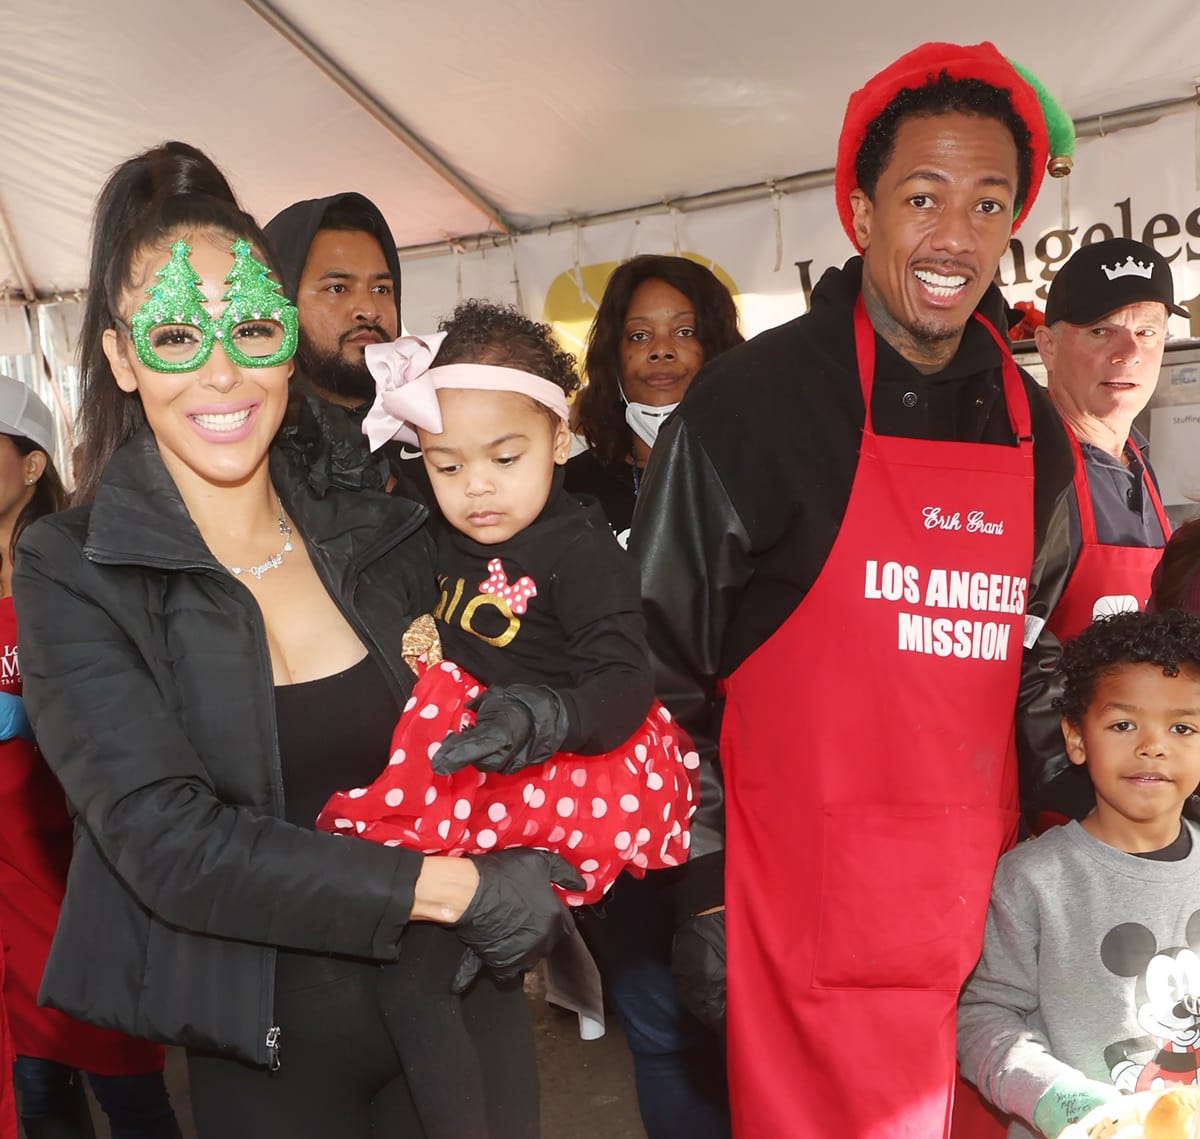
(1130, 268)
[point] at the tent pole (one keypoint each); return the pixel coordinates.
(731, 196)
(332, 70)
(1089, 127)
(14, 257)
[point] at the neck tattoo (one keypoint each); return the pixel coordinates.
(926, 354)
(275, 560)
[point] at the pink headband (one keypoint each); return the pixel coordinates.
(406, 388)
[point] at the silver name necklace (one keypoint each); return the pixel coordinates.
(275, 560)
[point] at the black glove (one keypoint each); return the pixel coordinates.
(515, 918)
(514, 727)
(698, 962)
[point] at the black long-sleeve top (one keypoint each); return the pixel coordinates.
(581, 633)
(744, 495)
(613, 485)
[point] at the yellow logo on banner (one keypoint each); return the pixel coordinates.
(574, 295)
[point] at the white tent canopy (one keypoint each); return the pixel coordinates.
(545, 109)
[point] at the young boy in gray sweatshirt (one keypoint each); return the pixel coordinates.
(1089, 982)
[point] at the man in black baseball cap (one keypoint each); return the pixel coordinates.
(1110, 275)
(1102, 344)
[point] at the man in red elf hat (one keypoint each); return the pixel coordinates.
(851, 533)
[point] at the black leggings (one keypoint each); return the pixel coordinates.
(339, 1074)
(429, 1029)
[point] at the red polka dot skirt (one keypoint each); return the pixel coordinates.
(626, 809)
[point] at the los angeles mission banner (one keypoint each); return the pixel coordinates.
(1140, 183)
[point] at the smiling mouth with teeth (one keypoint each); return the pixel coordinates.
(940, 284)
(227, 421)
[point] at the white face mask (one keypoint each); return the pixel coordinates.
(645, 419)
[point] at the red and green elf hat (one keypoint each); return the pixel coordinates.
(1051, 129)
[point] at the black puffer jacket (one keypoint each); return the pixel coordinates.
(148, 678)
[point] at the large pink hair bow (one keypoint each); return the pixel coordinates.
(405, 397)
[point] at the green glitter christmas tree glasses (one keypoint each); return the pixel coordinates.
(172, 331)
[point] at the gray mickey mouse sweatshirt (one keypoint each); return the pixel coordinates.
(1089, 965)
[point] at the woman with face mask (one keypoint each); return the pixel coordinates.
(660, 319)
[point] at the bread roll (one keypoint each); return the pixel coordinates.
(1173, 1114)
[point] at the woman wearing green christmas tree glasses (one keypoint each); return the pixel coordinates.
(209, 648)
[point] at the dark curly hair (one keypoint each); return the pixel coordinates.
(1170, 641)
(938, 97)
(1176, 571)
(479, 332)
(600, 415)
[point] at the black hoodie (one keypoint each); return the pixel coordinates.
(291, 232)
(326, 437)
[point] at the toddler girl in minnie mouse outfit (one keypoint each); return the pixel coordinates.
(533, 722)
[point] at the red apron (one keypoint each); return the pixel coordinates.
(8, 1099)
(35, 850)
(871, 782)
(1106, 579)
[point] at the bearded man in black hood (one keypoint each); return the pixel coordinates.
(338, 260)
(339, 265)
